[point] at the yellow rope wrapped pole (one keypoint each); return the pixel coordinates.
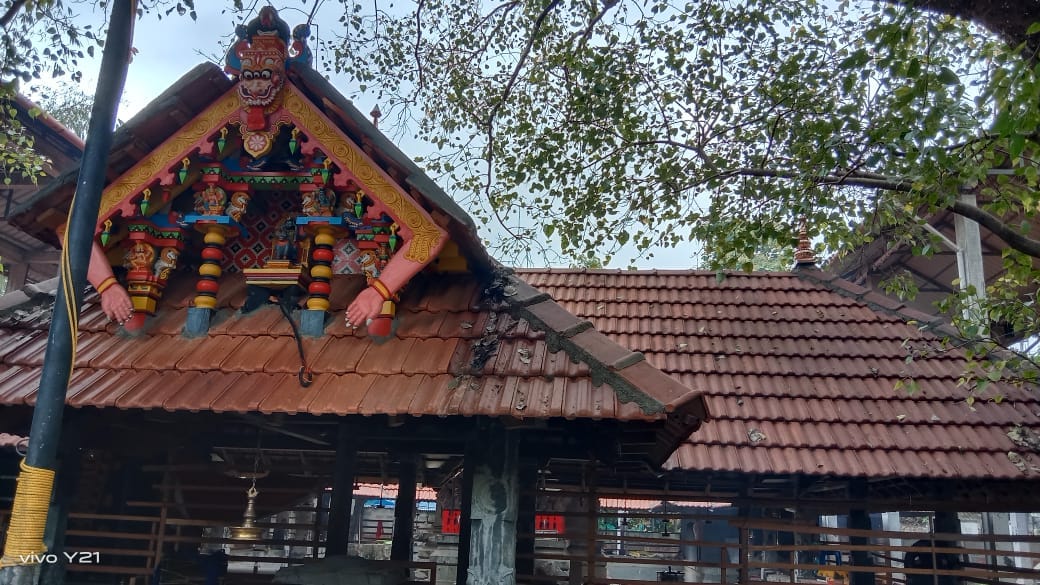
(24, 545)
(32, 498)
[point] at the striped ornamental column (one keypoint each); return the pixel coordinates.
(209, 271)
(321, 269)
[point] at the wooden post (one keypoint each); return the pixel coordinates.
(16, 276)
(494, 498)
(860, 520)
(404, 511)
(744, 575)
(465, 508)
(337, 538)
(527, 509)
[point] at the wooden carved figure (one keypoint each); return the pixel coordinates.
(210, 201)
(139, 257)
(237, 206)
(284, 247)
(167, 261)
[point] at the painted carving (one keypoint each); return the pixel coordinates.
(299, 52)
(425, 237)
(284, 246)
(157, 165)
(238, 204)
(211, 200)
(139, 257)
(154, 245)
(319, 202)
(115, 302)
(261, 78)
(167, 261)
(367, 262)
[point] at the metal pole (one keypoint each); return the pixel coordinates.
(45, 433)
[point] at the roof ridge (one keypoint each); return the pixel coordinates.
(627, 372)
(878, 302)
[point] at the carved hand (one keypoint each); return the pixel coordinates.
(364, 308)
(116, 304)
(115, 301)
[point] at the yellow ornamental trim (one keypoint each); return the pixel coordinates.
(425, 234)
(175, 148)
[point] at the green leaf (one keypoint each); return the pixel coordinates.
(948, 77)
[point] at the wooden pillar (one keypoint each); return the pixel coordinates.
(525, 523)
(465, 508)
(16, 276)
(404, 510)
(338, 536)
(577, 531)
(860, 520)
(493, 509)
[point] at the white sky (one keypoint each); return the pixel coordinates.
(169, 47)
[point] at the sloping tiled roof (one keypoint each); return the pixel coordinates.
(450, 357)
(799, 372)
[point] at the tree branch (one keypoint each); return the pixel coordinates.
(12, 11)
(1001, 229)
(1012, 237)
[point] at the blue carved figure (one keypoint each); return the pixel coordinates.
(300, 51)
(268, 24)
(285, 241)
(233, 63)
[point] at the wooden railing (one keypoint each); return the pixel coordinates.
(812, 554)
(140, 547)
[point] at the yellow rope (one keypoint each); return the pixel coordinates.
(70, 292)
(32, 498)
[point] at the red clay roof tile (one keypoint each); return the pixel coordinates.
(339, 394)
(810, 366)
(340, 355)
(430, 356)
(198, 396)
(245, 393)
(385, 358)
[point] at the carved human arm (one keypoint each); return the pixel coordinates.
(115, 302)
(398, 271)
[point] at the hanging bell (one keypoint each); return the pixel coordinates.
(146, 196)
(293, 142)
(106, 232)
(183, 173)
(222, 141)
(248, 530)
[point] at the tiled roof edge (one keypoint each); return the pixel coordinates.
(29, 294)
(878, 302)
(627, 372)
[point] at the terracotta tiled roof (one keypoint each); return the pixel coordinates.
(799, 372)
(450, 357)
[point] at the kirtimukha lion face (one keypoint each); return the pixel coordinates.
(259, 85)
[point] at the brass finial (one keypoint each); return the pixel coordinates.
(804, 255)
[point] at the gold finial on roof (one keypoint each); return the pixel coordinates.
(804, 255)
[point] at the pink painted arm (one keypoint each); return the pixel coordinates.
(115, 301)
(396, 274)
